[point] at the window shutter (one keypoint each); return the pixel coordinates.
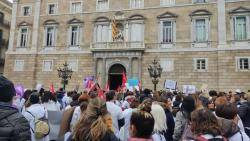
(54, 36)
(28, 37)
(19, 37)
(234, 28)
(80, 35)
(174, 31)
(126, 32)
(109, 33)
(193, 30)
(45, 37)
(248, 26)
(207, 28)
(69, 36)
(160, 32)
(142, 32)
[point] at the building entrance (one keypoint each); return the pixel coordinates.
(115, 76)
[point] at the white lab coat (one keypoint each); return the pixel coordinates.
(39, 111)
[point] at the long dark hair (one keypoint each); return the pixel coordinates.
(203, 121)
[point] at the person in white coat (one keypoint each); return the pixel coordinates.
(49, 102)
(114, 110)
(33, 112)
(124, 131)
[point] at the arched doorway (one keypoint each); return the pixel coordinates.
(115, 76)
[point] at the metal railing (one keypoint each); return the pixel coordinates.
(117, 45)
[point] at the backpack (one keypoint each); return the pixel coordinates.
(42, 128)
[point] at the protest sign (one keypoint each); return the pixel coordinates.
(170, 84)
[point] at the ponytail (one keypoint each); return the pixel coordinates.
(98, 129)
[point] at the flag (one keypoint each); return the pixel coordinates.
(107, 86)
(139, 85)
(114, 29)
(90, 84)
(124, 79)
(100, 91)
(52, 89)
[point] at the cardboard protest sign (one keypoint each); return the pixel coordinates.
(170, 84)
(189, 89)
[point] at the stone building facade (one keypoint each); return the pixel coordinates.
(5, 17)
(196, 41)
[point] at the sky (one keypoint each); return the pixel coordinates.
(10, 1)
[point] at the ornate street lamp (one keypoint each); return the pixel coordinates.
(155, 71)
(65, 74)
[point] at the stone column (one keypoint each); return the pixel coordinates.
(222, 38)
(130, 67)
(13, 25)
(104, 79)
(35, 32)
(139, 67)
(95, 67)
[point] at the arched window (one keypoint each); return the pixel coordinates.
(1, 17)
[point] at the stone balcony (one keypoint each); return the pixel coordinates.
(117, 46)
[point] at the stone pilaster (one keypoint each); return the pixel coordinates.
(221, 23)
(13, 25)
(36, 25)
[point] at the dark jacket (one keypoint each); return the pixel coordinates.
(170, 124)
(13, 125)
(244, 113)
(229, 128)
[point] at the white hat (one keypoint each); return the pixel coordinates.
(238, 91)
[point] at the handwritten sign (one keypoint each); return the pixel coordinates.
(189, 89)
(170, 84)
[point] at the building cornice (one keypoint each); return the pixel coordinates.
(157, 50)
(127, 10)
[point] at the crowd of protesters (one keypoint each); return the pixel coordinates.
(126, 116)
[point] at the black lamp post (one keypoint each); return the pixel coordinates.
(155, 71)
(65, 74)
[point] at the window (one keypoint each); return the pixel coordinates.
(26, 10)
(74, 35)
(19, 65)
(1, 17)
(200, 64)
(200, 30)
(136, 32)
(200, 27)
(167, 32)
(243, 63)
(50, 36)
(76, 7)
(73, 64)
(23, 40)
(102, 5)
(47, 65)
(103, 33)
(167, 65)
(52, 8)
(167, 2)
(200, 1)
(136, 3)
(240, 28)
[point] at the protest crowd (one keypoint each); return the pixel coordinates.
(122, 115)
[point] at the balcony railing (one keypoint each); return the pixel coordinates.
(118, 46)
